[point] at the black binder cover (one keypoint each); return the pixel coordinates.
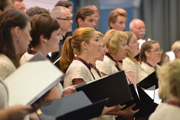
(136, 98)
(114, 87)
(75, 106)
(149, 81)
(146, 105)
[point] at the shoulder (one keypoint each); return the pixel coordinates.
(6, 66)
(167, 112)
(25, 57)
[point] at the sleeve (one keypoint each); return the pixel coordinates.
(129, 66)
(76, 72)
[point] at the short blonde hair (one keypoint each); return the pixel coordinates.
(169, 79)
(176, 46)
(113, 40)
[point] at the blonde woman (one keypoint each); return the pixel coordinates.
(116, 43)
(176, 49)
(131, 66)
(170, 74)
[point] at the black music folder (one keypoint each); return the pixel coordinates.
(114, 87)
(73, 107)
(146, 105)
(143, 102)
(32, 80)
(149, 81)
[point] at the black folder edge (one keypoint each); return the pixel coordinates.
(147, 82)
(94, 110)
(136, 97)
(80, 87)
(88, 107)
(37, 57)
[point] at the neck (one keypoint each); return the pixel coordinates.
(63, 33)
(85, 57)
(175, 99)
(41, 49)
(114, 57)
(151, 63)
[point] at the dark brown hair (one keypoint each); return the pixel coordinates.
(13, 1)
(146, 46)
(83, 13)
(3, 4)
(42, 25)
(36, 10)
(9, 20)
(66, 4)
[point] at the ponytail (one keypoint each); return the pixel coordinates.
(67, 54)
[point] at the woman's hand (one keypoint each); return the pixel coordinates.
(68, 91)
(18, 112)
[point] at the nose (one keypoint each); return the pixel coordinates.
(127, 47)
(30, 38)
(106, 50)
(124, 26)
(94, 24)
(71, 21)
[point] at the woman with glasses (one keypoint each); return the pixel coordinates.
(150, 55)
(131, 66)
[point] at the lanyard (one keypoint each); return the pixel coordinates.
(94, 67)
(150, 65)
(116, 63)
(85, 63)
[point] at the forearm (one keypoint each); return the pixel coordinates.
(4, 114)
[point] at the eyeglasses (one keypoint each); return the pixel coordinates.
(67, 19)
(157, 50)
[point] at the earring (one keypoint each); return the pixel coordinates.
(45, 41)
(86, 50)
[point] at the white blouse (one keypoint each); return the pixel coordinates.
(148, 69)
(130, 66)
(77, 70)
(107, 66)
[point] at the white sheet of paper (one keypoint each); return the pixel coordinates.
(156, 97)
(150, 93)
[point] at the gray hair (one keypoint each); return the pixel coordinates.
(58, 11)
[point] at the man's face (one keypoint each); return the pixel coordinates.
(139, 29)
(20, 6)
(120, 23)
(65, 21)
(89, 21)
